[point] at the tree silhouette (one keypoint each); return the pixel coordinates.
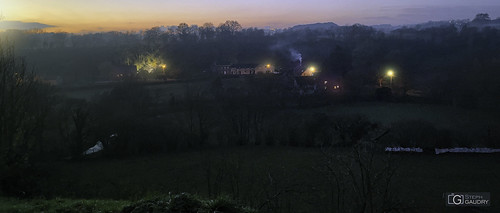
(482, 17)
(24, 107)
(229, 28)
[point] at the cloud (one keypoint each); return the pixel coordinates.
(19, 25)
(414, 15)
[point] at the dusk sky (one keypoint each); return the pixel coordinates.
(105, 15)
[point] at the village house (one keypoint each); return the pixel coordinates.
(306, 85)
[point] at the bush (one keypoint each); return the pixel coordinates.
(155, 205)
(186, 203)
(222, 204)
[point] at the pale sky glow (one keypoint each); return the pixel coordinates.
(105, 15)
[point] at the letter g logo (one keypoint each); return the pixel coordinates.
(458, 199)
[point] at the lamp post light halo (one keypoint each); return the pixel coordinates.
(390, 73)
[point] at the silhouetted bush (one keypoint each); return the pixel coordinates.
(186, 203)
(146, 206)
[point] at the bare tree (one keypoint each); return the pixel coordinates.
(80, 120)
(359, 181)
(24, 106)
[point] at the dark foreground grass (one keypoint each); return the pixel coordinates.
(254, 175)
(12, 205)
(287, 179)
(170, 203)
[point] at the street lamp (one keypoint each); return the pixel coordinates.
(312, 70)
(163, 66)
(390, 73)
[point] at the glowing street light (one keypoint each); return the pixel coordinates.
(163, 66)
(390, 73)
(312, 69)
(268, 66)
(309, 71)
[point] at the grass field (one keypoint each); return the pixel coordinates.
(159, 90)
(254, 174)
(419, 183)
(57, 205)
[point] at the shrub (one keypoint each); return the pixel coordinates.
(155, 205)
(186, 203)
(222, 204)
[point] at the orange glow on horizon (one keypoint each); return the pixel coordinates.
(79, 16)
(131, 15)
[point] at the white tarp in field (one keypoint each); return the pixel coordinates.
(403, 149)
(466, 150)
(97, 148)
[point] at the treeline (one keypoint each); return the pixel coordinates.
(453, 64)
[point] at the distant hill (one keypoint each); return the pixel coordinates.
(430, 24)
(316, 26)
(485, 23)
(384, 27)
(19, 25)
(388, 28)
(421, 26)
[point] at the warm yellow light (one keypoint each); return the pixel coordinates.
(268, 66)
(163, 66)
(313, 69)
(390, 73)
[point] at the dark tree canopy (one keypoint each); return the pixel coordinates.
(481, 17)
